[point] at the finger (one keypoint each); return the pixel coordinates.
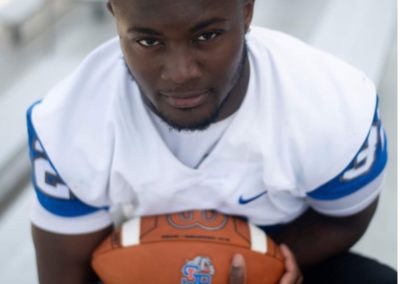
(293, 273)
(238, 270)
(290, 261)
(290, 278)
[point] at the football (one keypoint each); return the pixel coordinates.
(189, 247)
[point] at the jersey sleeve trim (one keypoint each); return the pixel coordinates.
(366, 166)
(84, 224)
(350, 204)
(51, 190)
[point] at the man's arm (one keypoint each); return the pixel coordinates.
(314, 237)
(66, 259)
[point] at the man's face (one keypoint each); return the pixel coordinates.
(185, 55)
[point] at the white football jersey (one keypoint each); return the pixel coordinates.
(307, 134)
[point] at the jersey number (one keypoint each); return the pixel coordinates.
(46, 178)
(365, 158)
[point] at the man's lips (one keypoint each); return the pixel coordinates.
(184, 100)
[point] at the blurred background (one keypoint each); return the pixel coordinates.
(41, 41)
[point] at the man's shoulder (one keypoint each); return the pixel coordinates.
(75, 121)
(269, 35)
(286, 50)
(91, 87)
(298, 72)
(93, 70)
(274, 40)
(323, 107)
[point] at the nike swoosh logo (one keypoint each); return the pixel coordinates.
(244, 201)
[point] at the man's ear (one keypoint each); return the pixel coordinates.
(110, 8)
(248, 8)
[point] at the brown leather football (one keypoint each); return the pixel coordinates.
(194, 247)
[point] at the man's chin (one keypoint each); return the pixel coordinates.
(188, 125)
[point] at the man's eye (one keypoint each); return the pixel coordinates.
(207, 36)
(149, 42)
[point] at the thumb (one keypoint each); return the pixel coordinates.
(238, 270)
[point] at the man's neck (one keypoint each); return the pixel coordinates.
(238, 93)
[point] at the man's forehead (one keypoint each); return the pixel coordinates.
(149, 7)
(145, 3)
(173, 13)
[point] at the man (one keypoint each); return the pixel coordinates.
(192, 109)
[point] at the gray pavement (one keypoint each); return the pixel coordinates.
(27, 72)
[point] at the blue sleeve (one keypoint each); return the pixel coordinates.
(362, 177)
(52, 192)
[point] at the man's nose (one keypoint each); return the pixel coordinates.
(180, 67)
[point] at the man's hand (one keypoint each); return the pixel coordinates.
(292, 275)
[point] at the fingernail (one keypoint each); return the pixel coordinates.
(237, 260)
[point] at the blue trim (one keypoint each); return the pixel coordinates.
(32, 136)
(64, 207)
(71, 207)
(338, 188)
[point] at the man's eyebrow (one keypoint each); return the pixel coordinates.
(144, 30)
(206, 23)
(195, 28)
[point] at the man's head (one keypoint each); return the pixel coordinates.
(187, 56)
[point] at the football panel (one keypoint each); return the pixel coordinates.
(161, 263)
(220, 229)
